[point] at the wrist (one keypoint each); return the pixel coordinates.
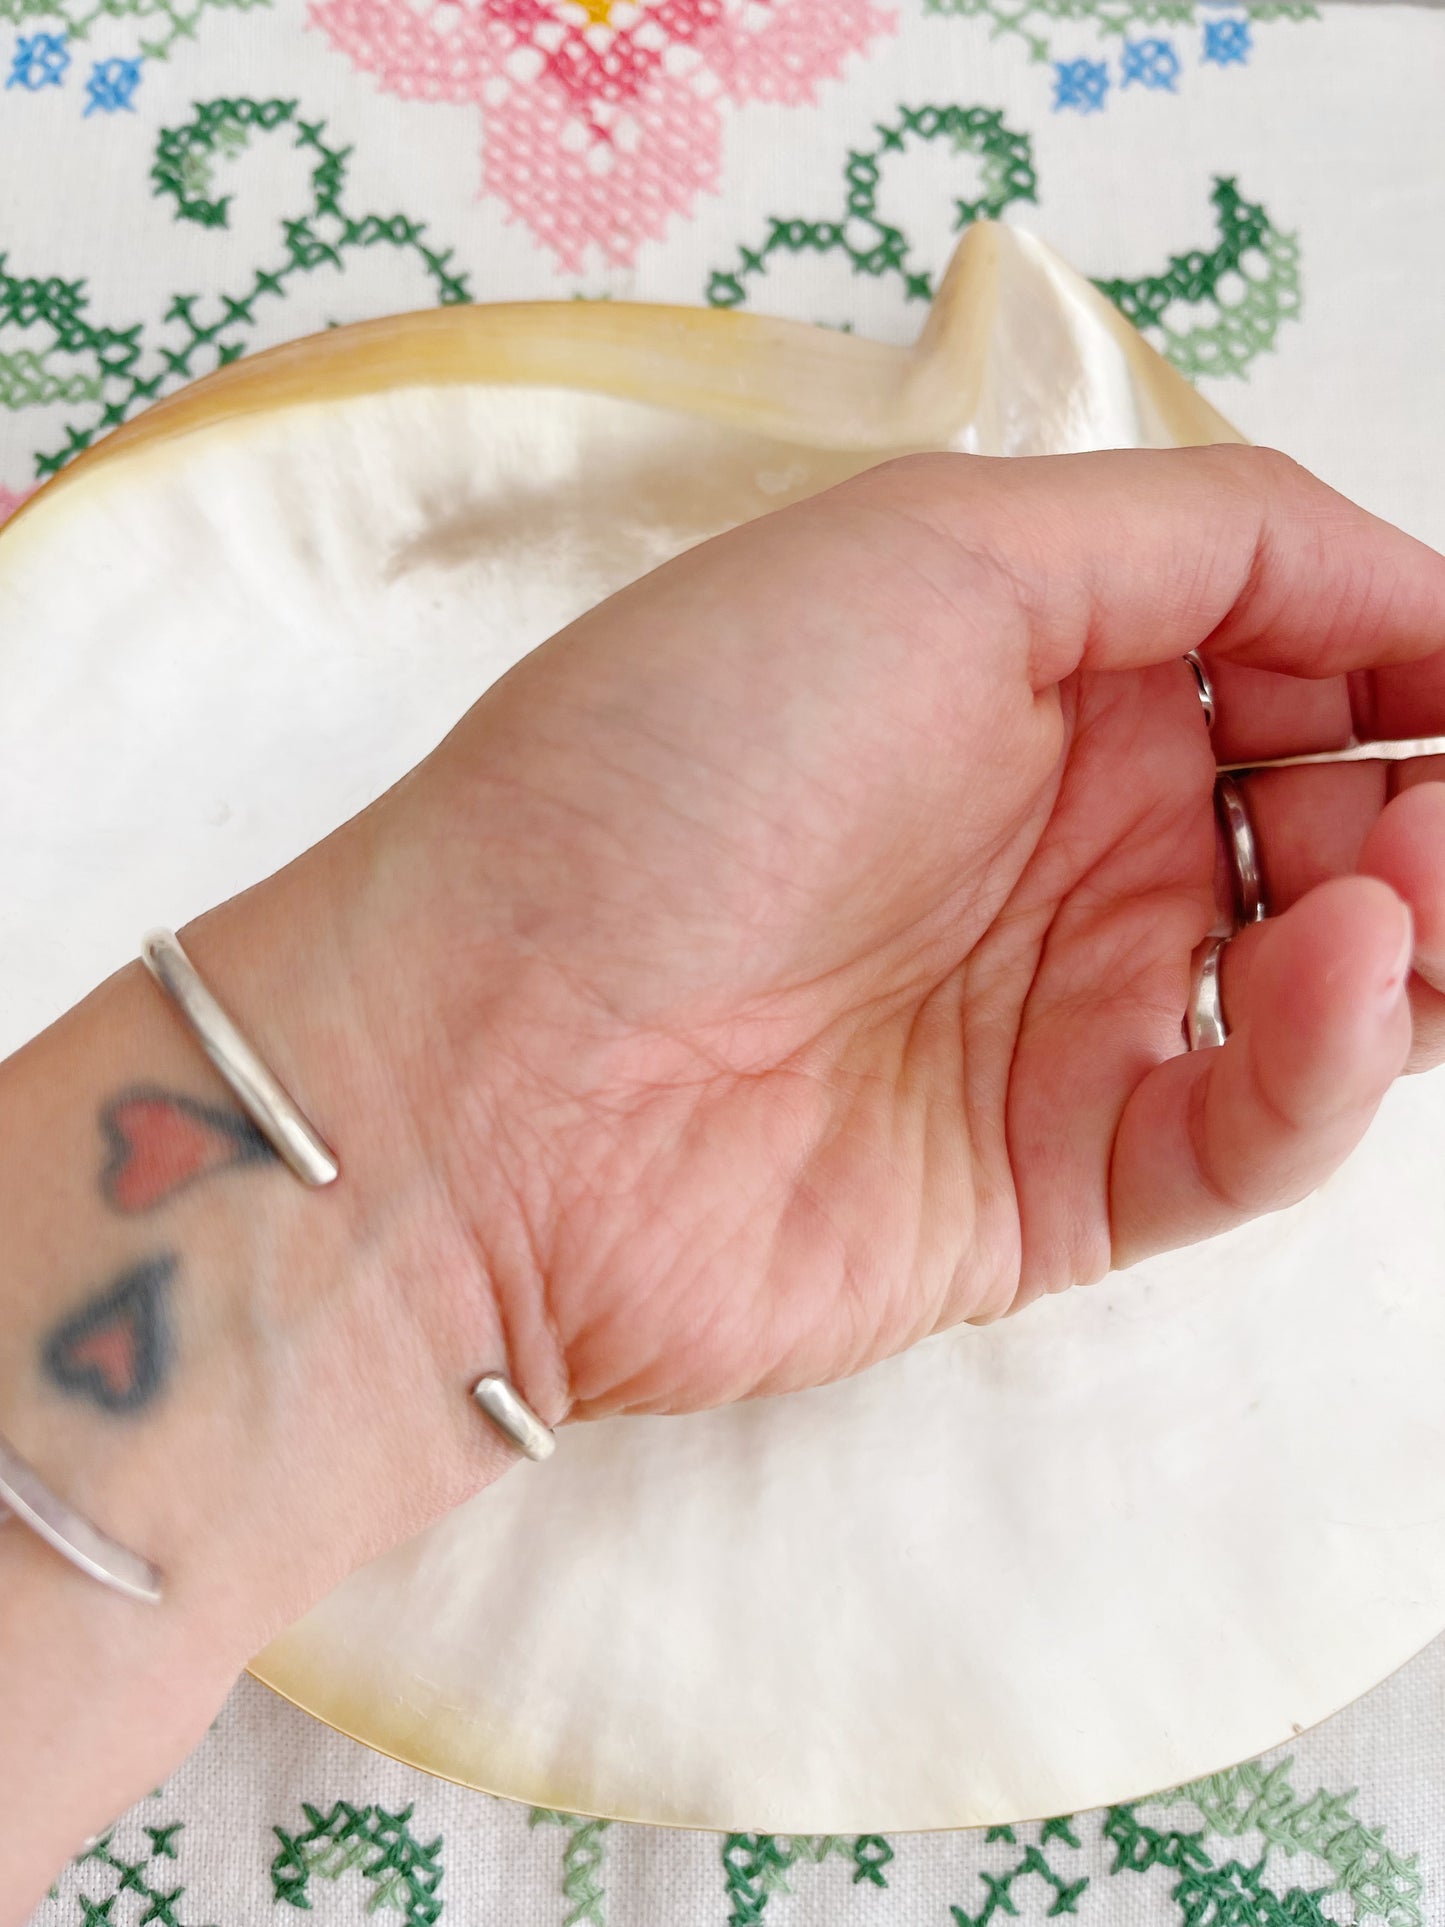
(426, 1096)
(309, 1404)
(311, 1407)
(397, 1300)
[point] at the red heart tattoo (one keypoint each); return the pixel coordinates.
(160, 1143)
(115, 1350)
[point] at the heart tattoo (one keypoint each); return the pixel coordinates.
(160, 1143)
(115, 1350)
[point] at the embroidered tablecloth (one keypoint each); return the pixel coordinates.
(1259, 185)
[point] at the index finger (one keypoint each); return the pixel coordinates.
(1131, 557)
(1401, 704)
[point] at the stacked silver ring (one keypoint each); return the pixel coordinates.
(1243, 850)
(1204, 1022)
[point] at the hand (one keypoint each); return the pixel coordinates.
(784, 962)
(808, 929)
(803, 935)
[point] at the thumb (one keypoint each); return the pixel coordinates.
(1213, 1138)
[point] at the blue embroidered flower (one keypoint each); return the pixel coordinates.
(1153, 63)
(112, 86)
(1082, 84)
(40, 60)
(1227, 42)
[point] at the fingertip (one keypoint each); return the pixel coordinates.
(1324, 1032)
(1405, 849)
(1322, 1027)
(1337, 960)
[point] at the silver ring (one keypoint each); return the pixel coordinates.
(24, 1493)
(291, 1135)
(1204, 1025)
(513, 1417)
(1204, 685)
(1243, 850)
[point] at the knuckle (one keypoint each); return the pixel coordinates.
(1260, 468)
(904, 481)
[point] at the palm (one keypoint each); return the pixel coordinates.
(906, 1140)
(849, 935)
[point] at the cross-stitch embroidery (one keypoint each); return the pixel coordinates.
(1095, 48)
(1211, 310)
(603, 120)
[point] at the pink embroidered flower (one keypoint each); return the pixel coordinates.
(10, 500)
(601, 118)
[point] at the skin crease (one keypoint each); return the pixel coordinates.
(845, 879)
(784, 962)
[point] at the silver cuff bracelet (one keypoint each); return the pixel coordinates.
(25, 1493)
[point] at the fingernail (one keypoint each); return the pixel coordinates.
(1396, 983)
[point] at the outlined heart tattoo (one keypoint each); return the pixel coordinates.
(115, 1349)
(160, 1143)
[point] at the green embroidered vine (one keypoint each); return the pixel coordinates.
(1211, 311)
(756, 1865)
(110, 371)
(403, 1874)
(1032, 21)
(1209, 1895)
(1209, 1888)
(871, 1854)
(151, 1899)
(582, 1860)
(168, 22)
(31, 380)
(1204, 1886)
(1261, 1799)
(872, 245)
(1033, 1864)
(1238, 293)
